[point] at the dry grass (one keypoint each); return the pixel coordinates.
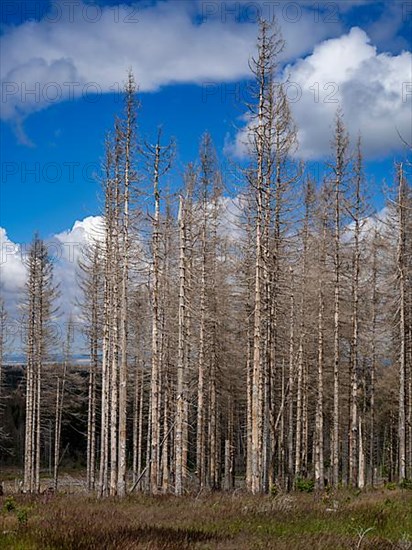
(378, 519)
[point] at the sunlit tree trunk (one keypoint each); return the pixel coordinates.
(181, 359)
(339, 166)
(402, 323)
(354, 449)
(40, 294)
(319, 428)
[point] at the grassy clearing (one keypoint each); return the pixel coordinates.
(379, 519)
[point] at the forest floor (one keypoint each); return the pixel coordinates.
(373, 519)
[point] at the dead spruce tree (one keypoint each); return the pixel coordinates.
(159, 158)
(375, 299)
(181, 393)
(339, 168)
(119, 178)
(322, 227)
(271, 137)
(4, 331)
(357, 213)
(301, 432)
(402, 206)
(3, 336)
(269, 47)
(210, 360)
(60, 398)
(39, 312)
(90, 276)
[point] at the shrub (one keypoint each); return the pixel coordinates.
(9, 504)
(406, 484)
(305, 485)
(274, 491)
(22, 516)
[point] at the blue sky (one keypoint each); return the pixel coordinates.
(63, 63)
(51, 149)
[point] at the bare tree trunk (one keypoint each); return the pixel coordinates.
(180, 397)
(114, 358)
(3, 329)
(249, 389)
(37, 431)
(165, 447)
(341, 142)
(214, 408)
(291, 380)
(213, 462)
(319, 435)
(38, 374)
(228, 483)
(136, 404)
(354, 450)
(166, 350)
(140, 424)
(188, 322)
(29, 426)
(408, 389)
(91, 409)
(156, 332)
(58, 424)
(249, 365)
(257, 371)
(125, 247)
(108, 314)
(302, 397)
(299, 413)
(361, 462)
(39, 296)
(372, 455)
(281, 438)
(200, 437)
(402, 325)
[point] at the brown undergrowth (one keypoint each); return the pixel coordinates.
(379, 519)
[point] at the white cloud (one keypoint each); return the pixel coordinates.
(373, 89)
(64, 248)
(231, 226)
(84, 232)
(12, 269)
(369, 86)
(160, 42)
(46, 61)
(12, 280)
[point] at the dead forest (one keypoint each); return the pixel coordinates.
(258, 340)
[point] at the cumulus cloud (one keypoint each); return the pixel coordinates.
(43, 62)
(79, 50)
(64, 248)
(84, 232)
(373, 89)
(12, 268)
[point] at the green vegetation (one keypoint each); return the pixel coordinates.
(376, 520)
(305, 485)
